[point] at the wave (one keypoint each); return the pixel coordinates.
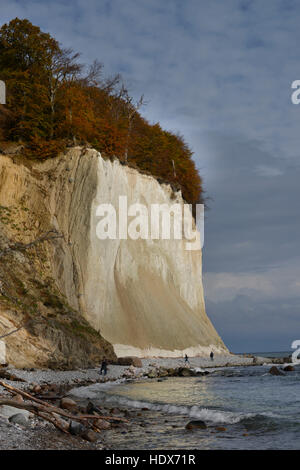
(205, 414)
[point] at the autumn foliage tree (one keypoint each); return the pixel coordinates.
(53, 98)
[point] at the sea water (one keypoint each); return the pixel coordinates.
(257, 410)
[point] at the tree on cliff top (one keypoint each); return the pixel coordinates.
(53, 100)
(34, 66)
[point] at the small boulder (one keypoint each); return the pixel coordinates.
(186, 372)
(289, 369)
(7, 411)
(19, 418)
(275, 371)
(152, 374)
(18, 398)
(68, 404)
(91, 408)
(90, 435)
(198, 424)
(102, 424)
(163, 372)
(76, 429)
(114, 411)
(129, 361)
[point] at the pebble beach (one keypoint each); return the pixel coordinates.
(37, 434)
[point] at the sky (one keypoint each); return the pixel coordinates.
(220, 73)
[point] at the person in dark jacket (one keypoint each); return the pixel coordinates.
(212, 355)
(103, 366)
(186, 360)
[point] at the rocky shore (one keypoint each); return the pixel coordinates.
(19, 429)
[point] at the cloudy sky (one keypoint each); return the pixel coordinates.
(220, 73)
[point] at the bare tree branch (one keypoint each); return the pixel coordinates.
(51, 235)
(52, 413)
(12, 332)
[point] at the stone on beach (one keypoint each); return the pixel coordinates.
(19, 418)
(163, 372)
(102, 424)
(7, 411)
(18, 398)
(75, 428)
(275, 371)
(68, 404)
(130, 361)
(152, 374)
(91, 408)
(186, 372)
(78, 429)
(89, 435)
(197, 424)
(289, 369)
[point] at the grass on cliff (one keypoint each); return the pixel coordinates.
(29, 296)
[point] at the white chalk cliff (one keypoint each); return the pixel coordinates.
(144, 296)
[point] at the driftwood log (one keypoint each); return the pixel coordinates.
(36, 409)
(52, 413)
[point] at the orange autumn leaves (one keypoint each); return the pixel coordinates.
(53, 99)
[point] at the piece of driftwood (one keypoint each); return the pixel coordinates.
(55, 409)
(51, 413)
(36, 409)
(4, 374)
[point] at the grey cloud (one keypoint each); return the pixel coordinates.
(254, 219)
(248, 325)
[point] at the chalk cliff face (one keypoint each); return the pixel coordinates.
(144, 296)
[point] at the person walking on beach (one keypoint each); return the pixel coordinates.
(212, 355)
(186, 360)
(103, 366)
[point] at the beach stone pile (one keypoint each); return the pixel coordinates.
(275, 371)
(161, 372)
(129, 361)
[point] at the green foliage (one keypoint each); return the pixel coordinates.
(51, 101)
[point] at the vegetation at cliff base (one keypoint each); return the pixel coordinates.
(53, 99)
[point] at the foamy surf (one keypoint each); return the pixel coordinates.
(205, 414)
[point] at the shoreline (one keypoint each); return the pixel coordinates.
(79, 376)
(52, 385)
